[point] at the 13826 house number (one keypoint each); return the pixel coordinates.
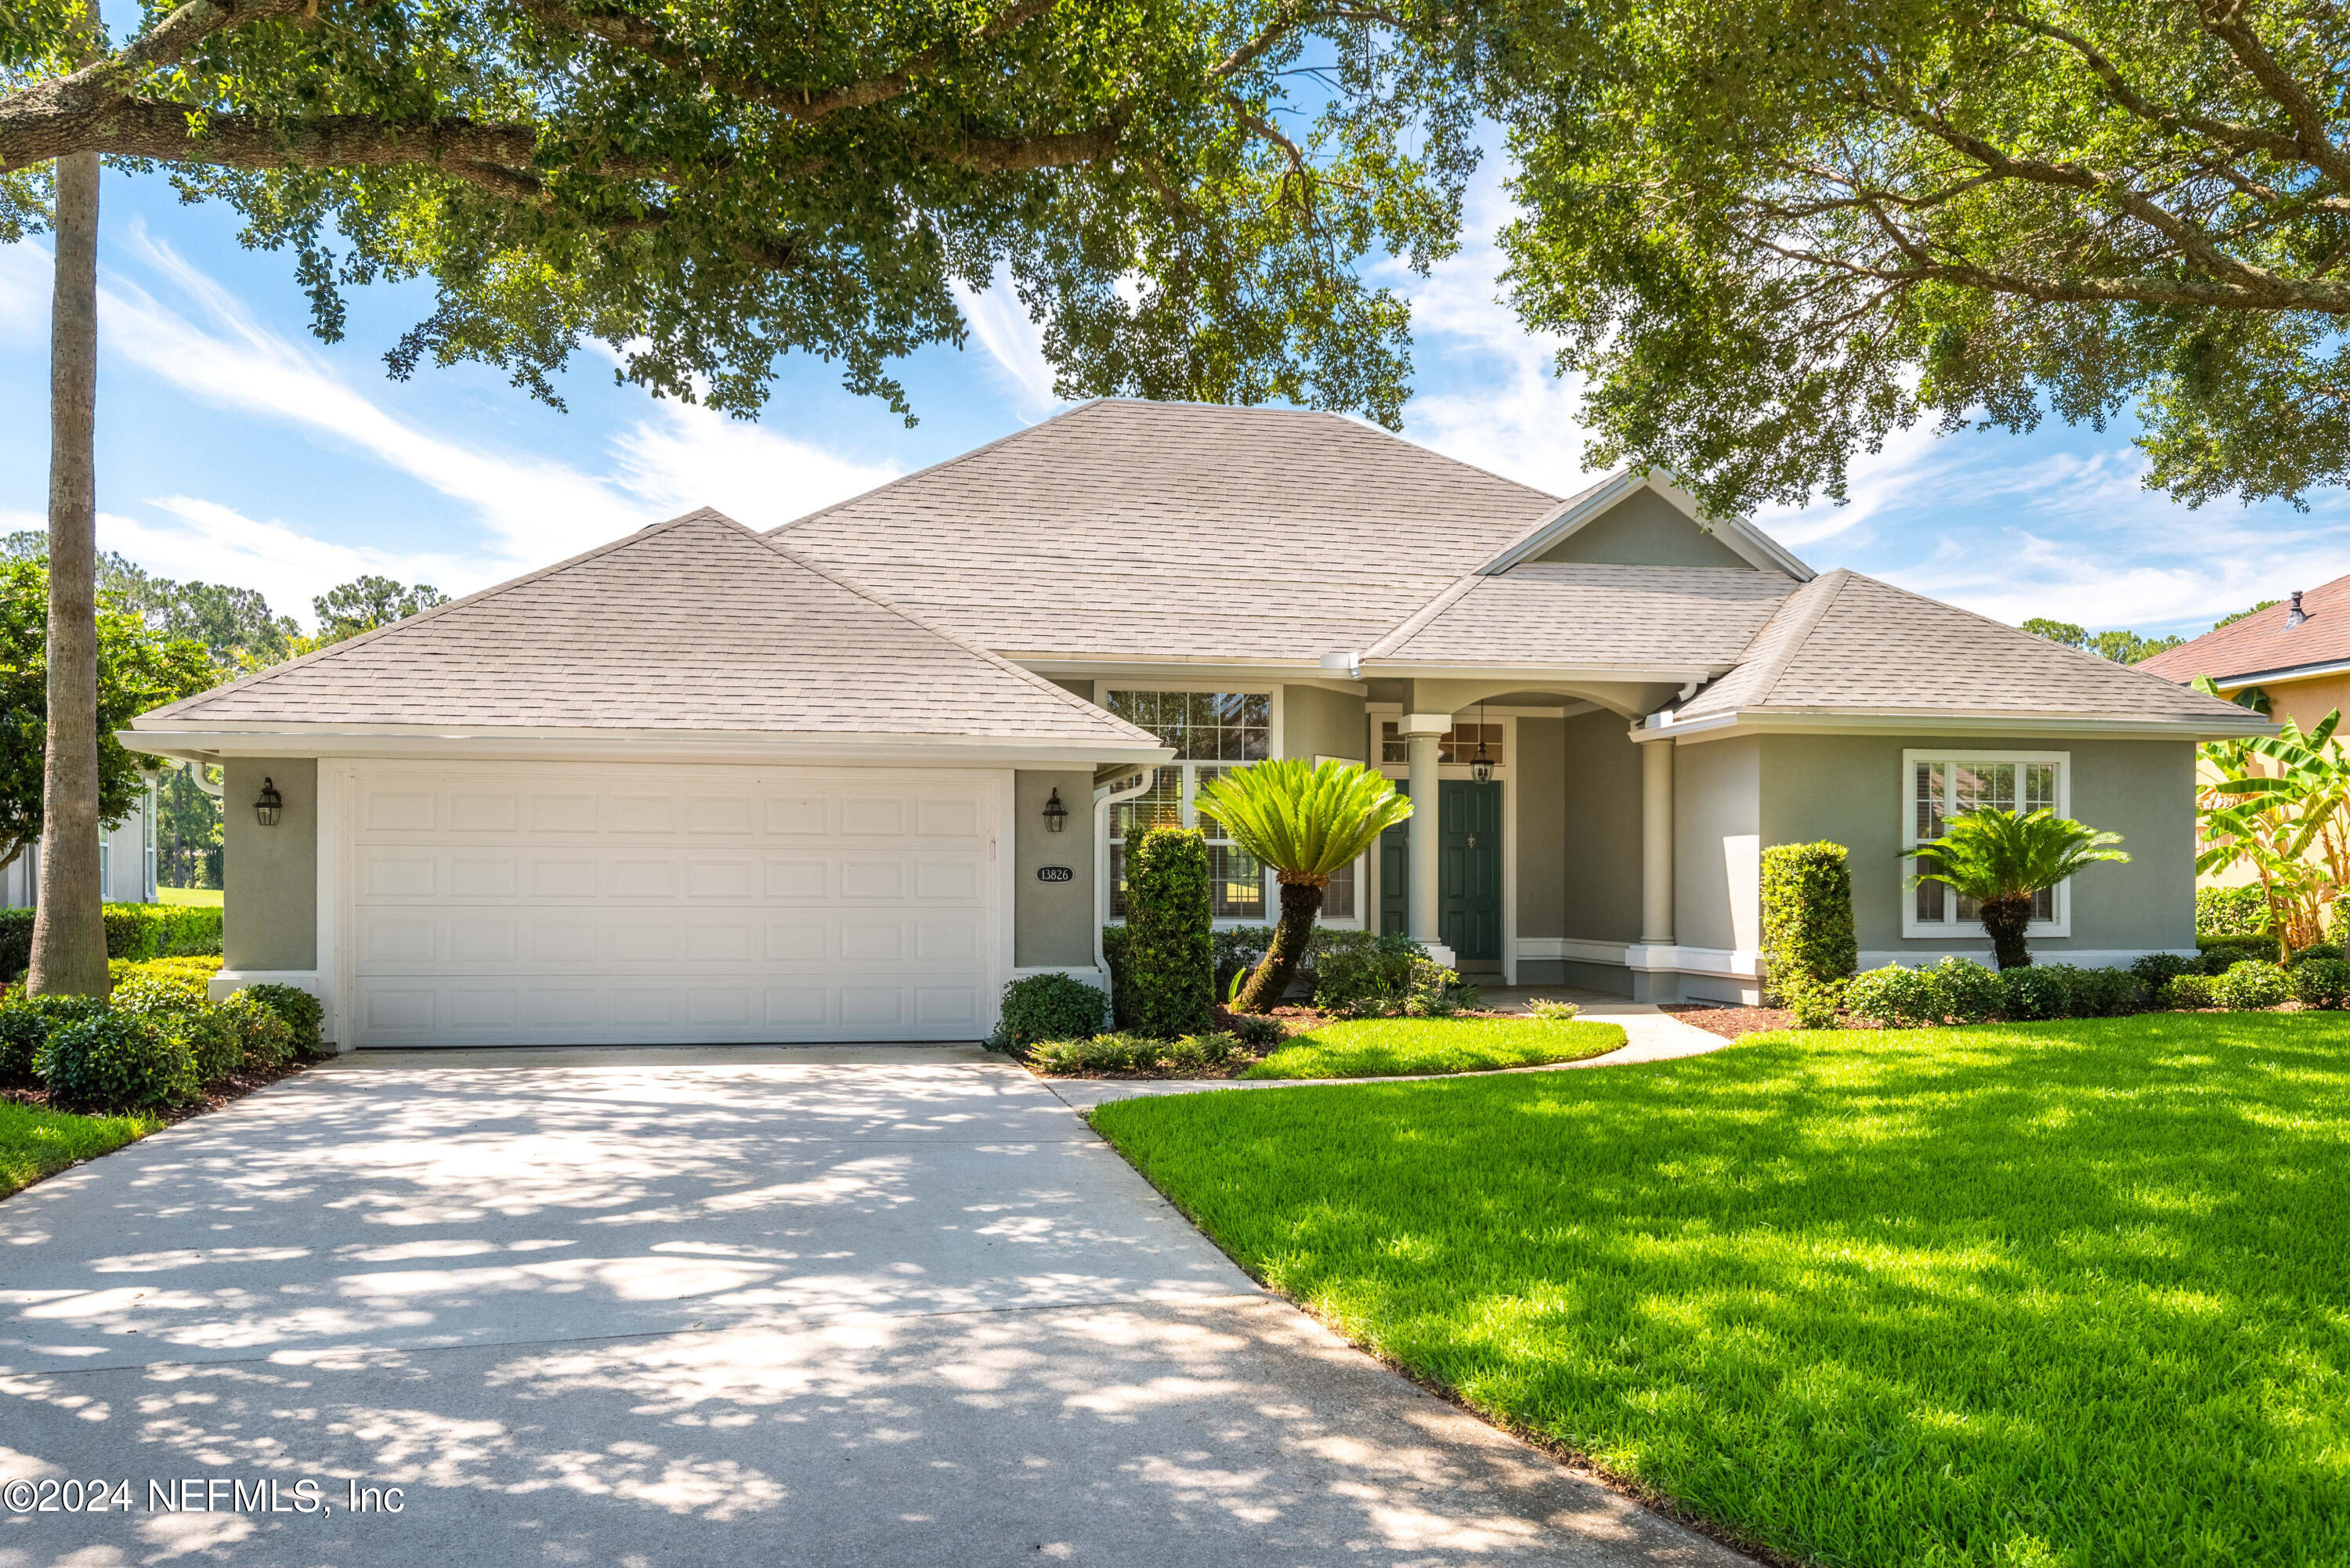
(1055, 874)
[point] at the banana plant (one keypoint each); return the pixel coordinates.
(2281, 803)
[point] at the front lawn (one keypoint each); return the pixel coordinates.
(2059, 1293)
(199, 898)
(35, 1142)
(1392, 1047)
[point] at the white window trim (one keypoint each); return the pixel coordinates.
(1103, 687)
(1911, 926)
(1366, 868)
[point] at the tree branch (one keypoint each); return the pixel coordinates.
(2223, 20)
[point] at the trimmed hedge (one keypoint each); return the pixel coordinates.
(1958, 991)
(1169, 944)
(1050, 1007)
(2322, 983)
(2250, 985)
(1807, 931)
(116, 1062)
(2219, 953)
(133, 931)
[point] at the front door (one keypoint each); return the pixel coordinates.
(1468, 851)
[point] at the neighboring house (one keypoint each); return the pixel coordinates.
(126, 861)
(706, 785)
(2298, 652)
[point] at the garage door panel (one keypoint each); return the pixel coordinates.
(498, 903)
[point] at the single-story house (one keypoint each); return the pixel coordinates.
(843, 780)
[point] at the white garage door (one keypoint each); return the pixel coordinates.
(576, 903)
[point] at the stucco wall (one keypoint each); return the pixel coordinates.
(1317, 722)
(1645, 530)
(270, 875)
(1538, 774)
(1599, 830)
(1716, 845)
(1849, 789)
(1084, 688)
(2307, 701)
(1052, 922)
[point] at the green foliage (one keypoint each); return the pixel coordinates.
(26, 1023)
(1136, 1053)
(142, 931)
(300, 1010)
(115, 1061)
(2314, 951)
(212, 1040)
(35, 1142)
(1401, 1047)
(1807, 932)
(2232, 911)
(264, 1041)
(2187, 993)
(2219, 953)
(1050, 1007)
(1551, 1009)
(1818, 1004)
(189, 842)
(2109, 994)
(1970, 993)
(2001, 858)
(349, 608)
(1168, 952)
(2039, 991)
(2159, 969)
(1370, 977)
(1252, 1028)
(1770, 236)
(2322, 982)
(153, 995)
(2072, 1291)
(137, 669)
(2120, 647)
(1436, 991)
(1894, 997)
(2250, 985)
(1178, 194)
(2279, 804)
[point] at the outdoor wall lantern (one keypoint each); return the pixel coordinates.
(270, 805)
(1057, 816)
(1480, 766)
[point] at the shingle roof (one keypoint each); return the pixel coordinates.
(1176, 530)
(2261, 642)
(695, 623)
(1844, 643)
(1543, 613)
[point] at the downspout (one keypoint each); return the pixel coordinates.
(1106, 796)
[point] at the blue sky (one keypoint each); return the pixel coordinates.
(235, 448)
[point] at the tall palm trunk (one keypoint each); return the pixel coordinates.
(69, 927)
(1300, 901)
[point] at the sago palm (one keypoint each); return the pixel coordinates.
(2001, 859)
(1306, 820)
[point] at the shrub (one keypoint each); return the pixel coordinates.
(2109, 994)
(2313, 951)
(161, 930)
(1196, 1051)
(25, 1025)
(2040, 990)
(1050, 1007)
(2250, 985)
(265, 1039)
(2220, 953)
(2232, 911)
(1894, 997)
(151, 994)
(1435, 991)
(1238, 950)
(1168, 947)
(2186, 993)
(1550, 1010)
(213, 1042)
(2158, 970)
(2338, 923)
(1136, 1053)
(1814, 1004)
(1369, 977)
(116, 1062)
(1807, 933)
(1250, 1028)
(298, 1008)
(2322, 983)
(1971, 993)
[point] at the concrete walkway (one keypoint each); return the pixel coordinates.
(1649, 1036)
(668, 1308)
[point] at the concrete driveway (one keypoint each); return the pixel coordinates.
(657, 1308)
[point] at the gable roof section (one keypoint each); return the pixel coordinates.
(1588, 506)
(696, 624)
(2263, 644)
(1591, 616)
(1175, 531)
(1845, 644)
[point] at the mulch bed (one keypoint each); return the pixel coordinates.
(1729, 1022)
(235, 1087)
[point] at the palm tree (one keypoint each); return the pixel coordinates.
(2001, 859)
(1305, 821)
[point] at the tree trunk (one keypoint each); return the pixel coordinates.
(69, 926)
(2005, 919)
(1300, 902)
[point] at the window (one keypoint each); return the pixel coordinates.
(1458, 744)
(1206, 729)
(1941, 788)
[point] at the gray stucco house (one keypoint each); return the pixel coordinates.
(707, 784)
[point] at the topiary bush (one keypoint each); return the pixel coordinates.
(1894, 997)
(2185, 993)
(300, 1010)
(1050, 1007)
(25, 1025)
(1815, 1005)
(2232, 911)
(2251, 985)
(2322, 983)
(1969, 992)
(2039, 991)
(1169, 948)
(1807, 931)
(2159, 969)
(116, 1062)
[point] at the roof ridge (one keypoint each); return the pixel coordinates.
(940, 466)
(349, 644)
(1807, 619)
(1413, 624)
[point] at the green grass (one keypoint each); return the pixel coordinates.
(1384, 1047)
(207, 897)
(2068, 1293)
(34, 1142)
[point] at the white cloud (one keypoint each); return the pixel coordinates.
(1014, 344)
(25, 286)
(203, 541)
(687, 456)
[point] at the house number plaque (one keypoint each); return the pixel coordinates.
(1055, 874)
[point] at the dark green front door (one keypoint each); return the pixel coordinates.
(1468, 851)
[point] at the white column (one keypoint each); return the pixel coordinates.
(1423, 917)
(1657, 842)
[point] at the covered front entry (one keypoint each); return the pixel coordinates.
(1469, 852)
(572, 903)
